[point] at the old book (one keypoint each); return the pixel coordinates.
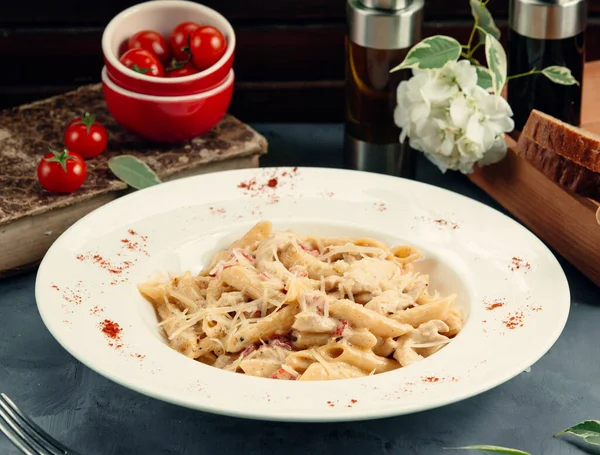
(32, 218)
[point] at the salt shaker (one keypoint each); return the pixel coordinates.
(543, 33)
(380, 33)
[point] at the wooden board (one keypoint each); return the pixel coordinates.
(568, 223)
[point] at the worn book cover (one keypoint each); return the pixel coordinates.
(31, 218)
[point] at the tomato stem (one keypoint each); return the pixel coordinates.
(88, 120)
(175, 65)
(60, 158)
(188, 49)
(137, 69)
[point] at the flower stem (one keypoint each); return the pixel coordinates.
(529, 73)
(477, 46)
(475, 27)
(471, 59)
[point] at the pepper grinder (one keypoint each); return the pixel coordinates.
(380, 34)
(543, 33)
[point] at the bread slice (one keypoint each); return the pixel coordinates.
(568, 174)
(568, 141)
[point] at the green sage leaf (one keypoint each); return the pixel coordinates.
(588, 430)
(486, 21)
(560, 75)
(484, 77)
(433, 52)
(133, 171)
(493, 449)
(496, 60)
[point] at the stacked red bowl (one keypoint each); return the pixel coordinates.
(166, 109)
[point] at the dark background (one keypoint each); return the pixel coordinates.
(289, 59)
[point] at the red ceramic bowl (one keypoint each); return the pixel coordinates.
(162, 16)
(167, 118)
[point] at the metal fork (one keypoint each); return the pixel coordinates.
(25, 434)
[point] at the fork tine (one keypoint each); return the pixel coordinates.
(34, 432)
(16, 441)
(18, 437)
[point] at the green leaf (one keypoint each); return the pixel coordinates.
(486, 21)
(560, 75)
(484, 77)
(496, 60)
(588, 430)
(493, 449)
(133, 171)
(433, 52)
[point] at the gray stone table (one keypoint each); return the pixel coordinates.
(96, 416)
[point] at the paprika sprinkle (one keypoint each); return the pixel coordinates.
(111, 329)
(493, 305)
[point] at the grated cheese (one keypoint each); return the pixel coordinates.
(198, 316)
(188, 302)
(431, 345)
(264, 303)
(326, 364)
(288, 369)
(353, 249)
(173, 317)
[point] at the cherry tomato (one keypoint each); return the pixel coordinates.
(86, 136)
(61, 172)
(153, 42)
(180, 39)
(207, 45)
(143, 61)
(180, 69)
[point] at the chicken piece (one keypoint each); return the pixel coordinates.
(426, 336)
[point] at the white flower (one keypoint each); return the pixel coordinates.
(454, 122)
(461, 73)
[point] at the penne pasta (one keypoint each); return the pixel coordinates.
(415, 345)
(361, 338)
(304, 340)
(361, 317)
(330, 371)
(454, 322)
(385, 347)
(244, 280)
(300, 361)
(405, 254)
(277, 322)
(259, 367)
(278, 305)
(258, 233)
(293, 255)
(362, 359)
(418, 315)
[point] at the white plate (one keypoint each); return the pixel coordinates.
(470, 249)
